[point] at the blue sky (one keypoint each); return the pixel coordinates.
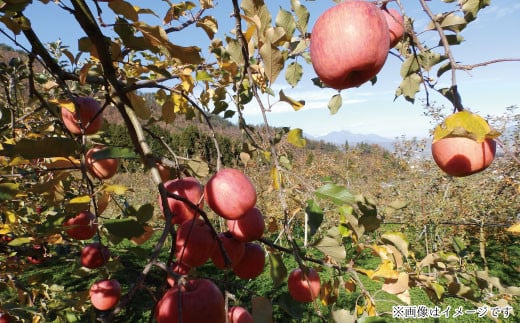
(367, 109)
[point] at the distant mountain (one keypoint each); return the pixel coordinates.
(340, 137)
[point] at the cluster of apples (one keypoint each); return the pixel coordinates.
(87, 118)
(232, 196)
(350, 42)
(104, 294)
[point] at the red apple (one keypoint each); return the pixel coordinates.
(194, 243)
(105, 294)
(81, 227)
(178, 268)
(230, 193)
(252, 263)
(304, 287)
(395, 22)
(5, 318)
(87, 116)
(100, 168)
(94, 255)
(461, 156)
(189, 188)
(349, 44)
(238, 314)
(234, 249)
(200, 301)
(248, 228)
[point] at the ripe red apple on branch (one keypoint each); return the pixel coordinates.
(94, 255)
(86, 116)
(238, 314)
(249, 227)
(105, 294)
(252, 263)
(82, 226)
(349, 44)
(235, 250)
(200, 301)
(189, 188)
(100, 168)
(461, 156)
(230, 193)
(194, 243)
(304, 286)
(395, 23)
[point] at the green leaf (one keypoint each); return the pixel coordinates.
(450, 21)
(453, 39)
(335, 103)
(410, 66)
(273, 61)
(17, 242)
(472, 7)
(204, 76)
(336, 193)
(409, 87)
(114, 152)
(124, 228)
(41, 148)
(443, 69)
(428, 59)
(285, 20)
(278, 270)
(296, 105)
(314, 216)
(145, 213)
(293, 73)
(262, 309)
(302, 16)
(331, 245)
(8, 191)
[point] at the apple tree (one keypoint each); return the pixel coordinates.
(212, 227)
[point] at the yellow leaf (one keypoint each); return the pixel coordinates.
(295, 138)
(296, 105)
(385, 271)
(465, 124)
(139, 105)
(85, 199)
(276, 177)
(5, 228)
(62, 103)
(10, 216)
(54, 239)
(116, 189)
(514, 229)
(397, 286)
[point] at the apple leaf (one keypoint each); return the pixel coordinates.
(409, 87)
(295, 138)
(343, 315)
(472, 7)
(314, 216)
(209, 25)
(124, 9)
(273, 61)
(114, 152)
(124, 228)
(296, 105)
(8, 191)
(330, 244)
(302, 16)
(336, 193)
(514, 229)
(397, 286)
(17, 242)
(409, 66)
(41, 148)
(335, 103)
(262, 309)
(465, 124)
(397, 239)
(285, 20)
(278, 270)
(293, 74)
